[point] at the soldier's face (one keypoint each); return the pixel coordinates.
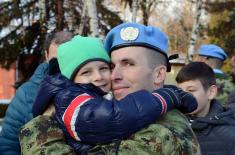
(130, 71)
(202, 96)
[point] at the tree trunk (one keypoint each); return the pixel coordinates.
(92, 13)
(68, 4)
(42, 6)
(199, 4)
(83, 20)
(59, 15)
(134, 10)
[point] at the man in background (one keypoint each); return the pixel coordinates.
(19, 111)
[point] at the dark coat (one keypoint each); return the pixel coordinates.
(19, 112)
(216, 131)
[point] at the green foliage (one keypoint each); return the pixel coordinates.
(221, 28)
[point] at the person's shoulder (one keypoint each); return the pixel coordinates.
(226, 131)
(170, 131)
(38, 128)
(173, 117)
(42, 135)
(39, 123)
(225, 86)
(36, 78)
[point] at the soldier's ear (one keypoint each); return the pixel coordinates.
(212, 92)
(159, 75)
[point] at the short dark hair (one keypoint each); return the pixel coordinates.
(57, 38)
(197, 71)
(155, 58)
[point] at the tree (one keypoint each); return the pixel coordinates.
(134, 10)
(199, 7)
(221, 29)
(179, 28)
(92, 12)
(24, 25)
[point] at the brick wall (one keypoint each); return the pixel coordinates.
(7, 80)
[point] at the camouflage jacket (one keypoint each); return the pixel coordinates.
(42, 136)
(225, 86)
(170, 135)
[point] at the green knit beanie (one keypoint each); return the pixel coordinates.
(75, 53)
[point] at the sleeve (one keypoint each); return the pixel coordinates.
(96, 120)
(16, 116)
(42, 135)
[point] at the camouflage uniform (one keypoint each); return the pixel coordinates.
(170, 135)
(225, 86)
(42, 136)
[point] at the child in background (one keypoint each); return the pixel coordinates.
(213, 125)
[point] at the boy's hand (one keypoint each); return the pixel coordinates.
(187, 102)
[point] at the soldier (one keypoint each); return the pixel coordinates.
(139, 61)
(214, 56)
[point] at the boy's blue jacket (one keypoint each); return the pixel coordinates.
(19, 112)
(84, 115)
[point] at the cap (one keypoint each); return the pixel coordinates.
(134, 34)
(75, 53)
(211, 50)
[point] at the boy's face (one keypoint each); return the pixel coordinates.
(95, 72)
(203, 96)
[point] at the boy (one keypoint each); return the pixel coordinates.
(214, 125)
(215, 56)
(84, 60)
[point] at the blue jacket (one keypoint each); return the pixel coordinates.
(84, 115)
(216, 131)
(19, 112)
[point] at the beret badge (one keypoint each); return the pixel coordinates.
(129, 33)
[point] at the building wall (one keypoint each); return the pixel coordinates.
(7, 80)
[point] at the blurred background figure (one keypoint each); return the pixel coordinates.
(215, 56)
(231, 96)
(19, 111)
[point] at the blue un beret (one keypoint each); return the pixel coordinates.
(211, 50)
(134, 34)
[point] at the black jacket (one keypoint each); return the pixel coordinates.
(216, 131)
